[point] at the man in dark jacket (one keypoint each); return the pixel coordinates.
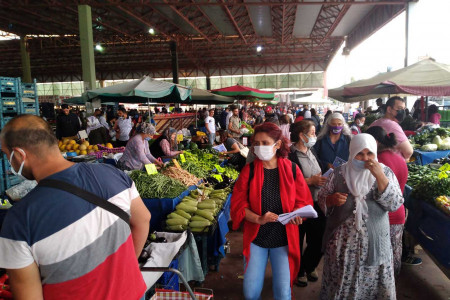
(67, 123)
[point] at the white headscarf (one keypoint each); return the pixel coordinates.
(307, 115)
(92, 124)
(359, 182)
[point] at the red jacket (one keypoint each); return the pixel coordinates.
(293, 195)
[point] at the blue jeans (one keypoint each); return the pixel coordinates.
(211, 138)
(254, 275)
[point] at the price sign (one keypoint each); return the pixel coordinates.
(245, 141)
(151, 169)
(218, 177)
(182, 158)
(219, 168)
(445, 168)
(177, 165)
(179, 137)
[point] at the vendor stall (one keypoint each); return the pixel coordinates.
(429, 211)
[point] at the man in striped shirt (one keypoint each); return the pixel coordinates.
(56, 245)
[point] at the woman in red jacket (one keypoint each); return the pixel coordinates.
(266, 188)
(388, 156)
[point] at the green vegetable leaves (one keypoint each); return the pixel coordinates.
(157, 185)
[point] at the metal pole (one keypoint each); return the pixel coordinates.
(426, 109)
(406, 34)
(174, 54)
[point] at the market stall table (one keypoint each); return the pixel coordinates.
(431, 228)
(425, 158)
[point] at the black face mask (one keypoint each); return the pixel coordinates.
(400, 115)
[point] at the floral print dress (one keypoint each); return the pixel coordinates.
(346, 274)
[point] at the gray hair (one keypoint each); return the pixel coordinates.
(148, 128)
(326, 127)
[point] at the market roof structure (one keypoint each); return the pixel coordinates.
(213, 37)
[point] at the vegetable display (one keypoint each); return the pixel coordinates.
(431, 139)
(431, 185)
(182, 175)
(157, 185)
(198, 210)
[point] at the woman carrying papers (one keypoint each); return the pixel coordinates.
(303, 138)
(269, 186)
(357, 251)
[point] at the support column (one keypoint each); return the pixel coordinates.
(174, 54)
(87, 52)
(26, 67)
(208, 83)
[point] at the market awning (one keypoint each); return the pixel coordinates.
(141, 91)
(241, 91)
(425, 78)
(200, 96)
(74, 101)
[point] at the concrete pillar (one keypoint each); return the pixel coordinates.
(208, 83)
(87, 52)
(26, 67)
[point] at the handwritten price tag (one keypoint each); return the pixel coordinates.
(182, 158)
(219, 168)
(218, 177)
(177, 165)
(151, 169)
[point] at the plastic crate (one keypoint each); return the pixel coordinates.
(28, 90)
(5, 120)
(9, 105)
(8, 85)
(170, 280)
(11, 180)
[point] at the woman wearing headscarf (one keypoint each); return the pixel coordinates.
(137, 153)
(333, 141)
(257, 201)
(97, 134)
(303, 138)
(388, 156)
(166, 145)
(357, 251)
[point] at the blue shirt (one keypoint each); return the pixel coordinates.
(327, 151)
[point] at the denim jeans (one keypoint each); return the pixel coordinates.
(211, 138)
(256, 267)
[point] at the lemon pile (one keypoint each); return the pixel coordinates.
(69, 145)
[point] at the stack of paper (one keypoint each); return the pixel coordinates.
(304, 212)
(220, 148)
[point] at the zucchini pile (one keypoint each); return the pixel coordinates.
(197, 210)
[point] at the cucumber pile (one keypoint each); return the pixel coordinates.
(198, 210)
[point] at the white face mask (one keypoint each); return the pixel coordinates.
(19, 173)
(265, 153)
(311, 141)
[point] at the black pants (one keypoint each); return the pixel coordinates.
(314, 230)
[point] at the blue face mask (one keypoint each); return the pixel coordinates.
(147, 139)
(358, 164)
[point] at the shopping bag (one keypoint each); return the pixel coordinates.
(175, 295)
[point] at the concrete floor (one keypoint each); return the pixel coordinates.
(424, 282)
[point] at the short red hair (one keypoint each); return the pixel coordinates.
(275, 133)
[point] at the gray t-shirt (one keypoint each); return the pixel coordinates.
(310, 167)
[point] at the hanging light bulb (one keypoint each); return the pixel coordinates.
(99, 47)
(258, 49)
(151, 31)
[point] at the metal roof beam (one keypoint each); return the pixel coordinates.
(236, 26)
(143, 3)
(186, 19)
(139, 19)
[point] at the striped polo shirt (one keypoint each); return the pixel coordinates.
(82, 251)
